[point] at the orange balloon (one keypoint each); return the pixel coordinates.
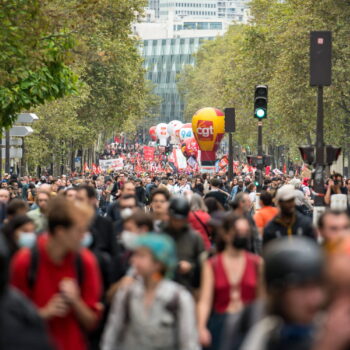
(208, 126)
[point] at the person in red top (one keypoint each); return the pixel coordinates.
(66, 299)
(231, 279)
(199, 218)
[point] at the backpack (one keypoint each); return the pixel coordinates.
(34, 266)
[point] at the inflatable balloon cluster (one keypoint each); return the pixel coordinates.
(208, 126)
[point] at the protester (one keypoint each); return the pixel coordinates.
(153, 313)
(266, 213)
(230, 280)
(39, 215)
(159, 205)
(189, 244)
(70, 302)
(289, 222)
(295, 294)
(215, 192)
(21, 327)
(333, 226)
(199, 218)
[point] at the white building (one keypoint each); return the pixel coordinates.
(167, 47)
(233, 10)
(182, 8)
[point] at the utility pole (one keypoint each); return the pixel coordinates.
(230, 127)
(320, 75)
(7, 151)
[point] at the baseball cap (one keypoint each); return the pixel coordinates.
(286, 193)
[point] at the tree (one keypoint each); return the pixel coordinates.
(274, 50)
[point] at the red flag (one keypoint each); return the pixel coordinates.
(284, 169)
(94, 168)
(148, 153)
(86, 168)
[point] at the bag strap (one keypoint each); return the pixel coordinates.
(34, 266)
(202, 223)
(173, 307)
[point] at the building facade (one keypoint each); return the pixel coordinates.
(167, 47)
(171, 33)
(164, 61)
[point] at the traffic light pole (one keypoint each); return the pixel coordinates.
(260, 151)
(260, 165)
(320, 156)
(230, 156)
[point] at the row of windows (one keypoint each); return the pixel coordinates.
(172, 42)
(202, 13)
(187, 4)
(200, 25)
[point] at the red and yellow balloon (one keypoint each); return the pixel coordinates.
(208, 126)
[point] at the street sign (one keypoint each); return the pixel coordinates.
(26, 118)
(20, 131)
(14, 153)
(13, 142)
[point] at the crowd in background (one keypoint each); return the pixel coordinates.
(129, 261)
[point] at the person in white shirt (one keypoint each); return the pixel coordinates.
(182, 186)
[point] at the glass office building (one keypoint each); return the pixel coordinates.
(164, 60)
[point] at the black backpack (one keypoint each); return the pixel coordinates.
(34, 265)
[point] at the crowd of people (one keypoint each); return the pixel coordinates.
(173, 262)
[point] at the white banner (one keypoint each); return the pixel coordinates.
(181, 161)
(115, 164)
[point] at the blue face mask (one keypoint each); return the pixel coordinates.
(87, 240)
(26, 239)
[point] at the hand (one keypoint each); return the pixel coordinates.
(330, 183)
(204, 337)
(69, 290)
(56, 307)
(336, 334)
(184, 267)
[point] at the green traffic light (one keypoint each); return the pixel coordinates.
(256, 183)
(260, 113)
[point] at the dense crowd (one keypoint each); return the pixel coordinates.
(174, 262)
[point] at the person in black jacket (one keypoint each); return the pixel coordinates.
(289, 222)
(189, 244)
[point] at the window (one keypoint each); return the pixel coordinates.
(203, 25)
(189, 25)
(216, 25)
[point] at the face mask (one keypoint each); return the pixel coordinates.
(129, 239)
(87, 240)
(240, 242)
(27, 239)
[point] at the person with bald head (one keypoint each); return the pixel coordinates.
(38, 215)
(4, 196)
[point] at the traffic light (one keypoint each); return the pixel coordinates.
(307, 154)
(332, 154)
(252, 161)
(260, 102)
(258, 179)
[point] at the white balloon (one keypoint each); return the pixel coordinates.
(186, 132)
(162, 133)
(171, 127)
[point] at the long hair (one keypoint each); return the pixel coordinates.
(197, 203)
